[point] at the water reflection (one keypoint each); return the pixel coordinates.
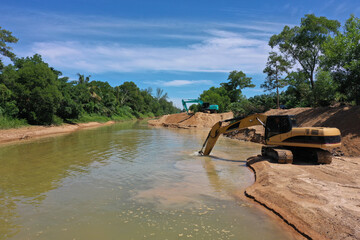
(28, 171)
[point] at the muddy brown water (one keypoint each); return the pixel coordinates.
(129, 181)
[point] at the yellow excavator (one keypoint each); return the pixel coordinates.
(284, 141)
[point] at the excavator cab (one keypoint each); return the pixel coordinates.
(278, 124)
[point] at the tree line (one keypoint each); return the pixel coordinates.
(317, 63)
(36, 93)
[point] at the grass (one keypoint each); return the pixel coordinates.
(6, 123)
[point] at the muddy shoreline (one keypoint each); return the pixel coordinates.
(33, 132)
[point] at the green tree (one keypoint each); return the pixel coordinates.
(298, 93)
(103, 95)
(325, 89)
(8, 106)
(70, 107)
(256, 104)
(82, 79)
(218, 96)
(237, 82)
(302, 44)
(342, 58)
(5, 50)
(160, 94)
(35, 86)
(133, 99)
(264, 101)
(276, 67)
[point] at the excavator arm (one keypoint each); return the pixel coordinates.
(218, 129)
(185, 101)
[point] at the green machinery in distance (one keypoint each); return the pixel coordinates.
(205, 107)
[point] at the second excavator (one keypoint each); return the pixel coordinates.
(284, 141)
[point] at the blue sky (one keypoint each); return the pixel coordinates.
(183, 46)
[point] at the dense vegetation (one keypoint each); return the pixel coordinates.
(31, 92)
(317, 62)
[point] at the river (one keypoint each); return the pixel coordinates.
(129, 181)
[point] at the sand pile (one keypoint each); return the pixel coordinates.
(198, 120)
(347, 119)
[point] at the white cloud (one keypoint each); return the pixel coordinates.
(214, 54)
(179, 83)
(103, 44)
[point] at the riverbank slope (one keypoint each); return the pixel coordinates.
(319, 201)
(31, 132)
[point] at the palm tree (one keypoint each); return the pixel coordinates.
(160, 94)
(82, 79)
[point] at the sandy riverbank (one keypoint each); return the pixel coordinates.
(26, 133)
(319, 201)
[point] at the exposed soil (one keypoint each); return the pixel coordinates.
(25, 133)
(319, 201)
(183, 120)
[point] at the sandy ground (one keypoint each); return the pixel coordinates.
(320, 201)
(183, 120)
(26, 133)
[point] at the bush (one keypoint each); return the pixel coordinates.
(7, 122)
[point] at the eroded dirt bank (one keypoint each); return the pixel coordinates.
(320, 201)
(24, 133)
(183, 120)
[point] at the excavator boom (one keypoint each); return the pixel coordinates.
(218, 129)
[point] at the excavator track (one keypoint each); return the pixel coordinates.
(314, 155)
(323, 157)
(280, 155)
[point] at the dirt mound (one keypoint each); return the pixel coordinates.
(183, 120)
(344, 118)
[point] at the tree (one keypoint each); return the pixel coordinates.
(237, 82)
(36, 89)
(218, 96)
(6, 37)
(134, 99)
(160, 94)
(325, 88)
(275, 68)
(303, 44)
(83, 79)
(70, 107)
(342, 59)
(298, 94)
